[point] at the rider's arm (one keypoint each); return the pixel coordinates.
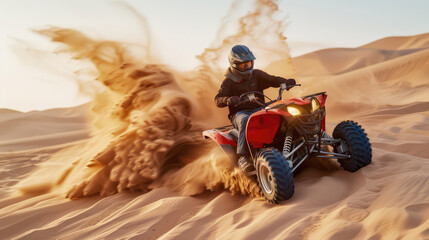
(221, 99)
(266, 80)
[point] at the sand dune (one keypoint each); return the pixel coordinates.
(383, 89)
(341, 60)
(386, 77)
(36, 129)
(399, 43)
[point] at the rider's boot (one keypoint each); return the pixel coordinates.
(245, 164)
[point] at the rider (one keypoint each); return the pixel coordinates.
(240, 78)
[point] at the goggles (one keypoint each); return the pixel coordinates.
(244, 66)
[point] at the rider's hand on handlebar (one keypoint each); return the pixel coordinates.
(232, 101)
(290, 83)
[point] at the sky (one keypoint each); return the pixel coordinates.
(180, 30)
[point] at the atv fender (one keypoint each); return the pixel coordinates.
(263, 126)
(228, 145)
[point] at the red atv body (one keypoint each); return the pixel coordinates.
(285, 133)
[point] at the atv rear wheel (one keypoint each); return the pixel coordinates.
(355, 143)
(274, 176)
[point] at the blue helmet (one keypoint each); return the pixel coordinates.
(241, 54)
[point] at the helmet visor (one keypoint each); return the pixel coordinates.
(244, 66)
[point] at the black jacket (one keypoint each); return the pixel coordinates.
(259, 81)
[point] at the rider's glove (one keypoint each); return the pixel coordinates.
(232, 101)
(290, 82)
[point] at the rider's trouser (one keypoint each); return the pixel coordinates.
(239, 121)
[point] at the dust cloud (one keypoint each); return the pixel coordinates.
(148, 120)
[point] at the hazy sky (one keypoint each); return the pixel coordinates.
(179, 29)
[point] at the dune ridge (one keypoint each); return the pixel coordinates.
(15, 125)
(399, 43)
(335, 61)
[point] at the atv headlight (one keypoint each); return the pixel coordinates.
(314, 104)
(293, 110)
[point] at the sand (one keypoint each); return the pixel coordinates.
(187, 192)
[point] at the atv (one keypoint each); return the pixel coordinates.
(285, 133)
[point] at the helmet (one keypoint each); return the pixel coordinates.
(241, 61)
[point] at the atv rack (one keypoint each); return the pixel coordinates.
(313, 95)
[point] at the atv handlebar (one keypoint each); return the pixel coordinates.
(250, 96)
(283, 86)
(291, 86)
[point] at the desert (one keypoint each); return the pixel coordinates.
(132, 163)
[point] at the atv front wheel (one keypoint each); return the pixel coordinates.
(274, 176)
(355, 143)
